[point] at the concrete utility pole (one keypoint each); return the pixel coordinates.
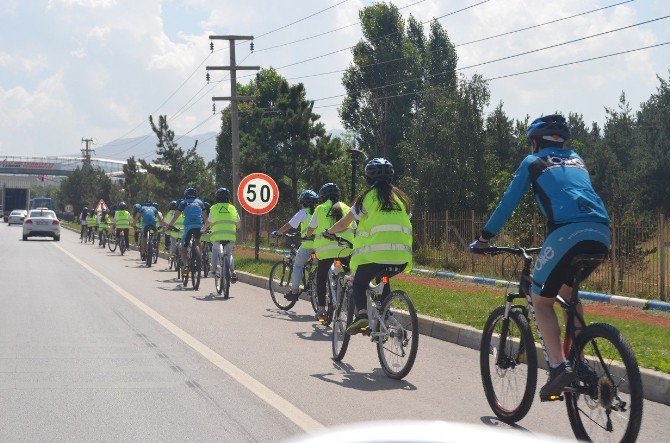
(86, 152)
(233, 99)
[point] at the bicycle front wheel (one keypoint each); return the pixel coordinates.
(154, 256)
(279, 284)
(509, 372)
(111, 243)
(205, 259)
(226, 277)
(606, 404)
(342, 317)
(399, 335)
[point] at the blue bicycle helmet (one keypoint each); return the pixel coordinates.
(308, 198)
(190, 193)
(550, 127)
(137, 206)
(222, 195)
(379, 169)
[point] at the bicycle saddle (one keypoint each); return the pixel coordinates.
(588, 260)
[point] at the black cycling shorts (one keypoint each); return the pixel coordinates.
(564, 274)
(145, 230)
(193, 232)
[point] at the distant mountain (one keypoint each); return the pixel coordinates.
(145, 147)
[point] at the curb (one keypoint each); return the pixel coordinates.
(656, 384)
(585, 295)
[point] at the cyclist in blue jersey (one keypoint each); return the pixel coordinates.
(192, 207)
(577, 223)
(149, 215)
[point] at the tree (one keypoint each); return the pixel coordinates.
(85, 187)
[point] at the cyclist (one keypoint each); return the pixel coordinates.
(83, 221)
(308, 199)
(90, 223)
(191, 206)
(179, 224)
(136, 233)
(205, 237)
(224, 221)
(103, 225)
(577, 223)
(148, 214)
(121, 222)
(160, 219)
(169, 235)
(383, 239)
(328, 212)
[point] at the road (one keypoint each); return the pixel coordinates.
(94, 346)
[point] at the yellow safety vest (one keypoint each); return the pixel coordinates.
(91, 220)
(382, 236)
(304, 226)
(224, 222)
(179, 223)
(323, 247)
(122, 219)
(104, 224)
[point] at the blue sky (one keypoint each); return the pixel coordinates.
(97, 68)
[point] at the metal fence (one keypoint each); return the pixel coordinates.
(637, 266)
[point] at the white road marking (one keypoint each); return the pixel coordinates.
(301, 419)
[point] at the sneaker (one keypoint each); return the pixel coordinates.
(359, 325)
(321, 317)
(186, 270)
(559, 378)
(292, 296)
(233, 277)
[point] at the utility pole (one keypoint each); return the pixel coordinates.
(233, 99)
(86, 152)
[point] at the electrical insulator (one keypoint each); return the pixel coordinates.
(211, 46)
(207, 78)
(258, 76)
(213, 108)
(251, 46)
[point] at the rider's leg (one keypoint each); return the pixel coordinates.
(321, 281)
(184, 249)
(301, 258)
(215, 254)
(228, 251)
(547, 323)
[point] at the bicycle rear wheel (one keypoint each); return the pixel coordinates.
(205, 259)
(156, 242)
(342, 317)
(196, 268)
(122, 244)
(218, 275)
(226, 277)
(607, 402)
(279, 284)
(397, 349)
(509, 375)
(112, 243)
(148, 254)
(310, 282)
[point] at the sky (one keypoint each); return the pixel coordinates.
(73, 69)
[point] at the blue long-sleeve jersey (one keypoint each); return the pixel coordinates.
(562, 188)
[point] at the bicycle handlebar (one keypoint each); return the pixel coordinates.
(496, 250)
(340, 240)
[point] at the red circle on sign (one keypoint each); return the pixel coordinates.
(251, 193)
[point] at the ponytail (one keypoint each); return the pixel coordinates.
(335, 212)
(386, 196)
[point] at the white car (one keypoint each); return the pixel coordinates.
(17, 216)
(41, 222)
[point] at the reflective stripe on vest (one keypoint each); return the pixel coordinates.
(385, 228)
(382, 247)
(329, 248)
(224, 222)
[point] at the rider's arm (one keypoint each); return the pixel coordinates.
(342, 223)
(510, 199)
(175, 216)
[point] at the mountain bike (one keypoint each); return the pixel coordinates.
(279, 282)
(151, 252)
(195, 266)
(394, 324)
(607, 396)
(104, 238)
(206, 255)
(222, 270)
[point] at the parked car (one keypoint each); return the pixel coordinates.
(41, 222)
(16, 217)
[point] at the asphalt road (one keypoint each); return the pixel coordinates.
(95, 346)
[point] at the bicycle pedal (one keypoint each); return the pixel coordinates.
(551, 397)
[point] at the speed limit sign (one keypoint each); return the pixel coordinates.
(258, 193)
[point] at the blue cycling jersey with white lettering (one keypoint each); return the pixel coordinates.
(192, 209)
(148, 214)
(562, 188)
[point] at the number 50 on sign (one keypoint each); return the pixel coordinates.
(258, 193)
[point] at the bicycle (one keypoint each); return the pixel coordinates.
(151, 252)
(280, 279)
(104, 238)
(195, 265)
(206, 255)
(394, 324)
(602, 392)
(222, 271)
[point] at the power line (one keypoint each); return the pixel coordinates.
(600, 34)
(326, 32)
(467, 43)
(300, 20)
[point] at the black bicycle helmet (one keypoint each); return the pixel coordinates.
(173, 205)
(222, 195)
(122, 206)
(329, 191)
(308, 198)
(379, 169)
(155, 205)
(550, 127)
(190, 193)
